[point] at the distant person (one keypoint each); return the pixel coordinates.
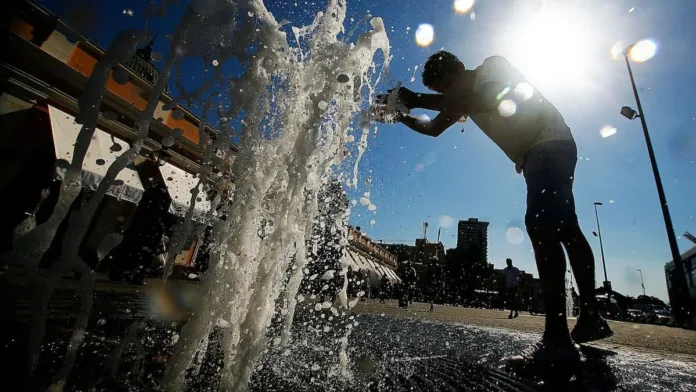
(513, 278)
(534, 135)
(411, 279)
(383, 288)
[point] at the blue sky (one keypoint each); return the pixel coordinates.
(563, 48)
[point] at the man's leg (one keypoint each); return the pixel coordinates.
(547, 168)
(551, 265)
(590, 325)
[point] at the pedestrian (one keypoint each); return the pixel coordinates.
(383, 287)
(534, 135)
(513, 277)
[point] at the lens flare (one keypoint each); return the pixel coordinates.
(607, 131)
(514, 235)
(523, 91)
(618, 49)
(507, 107)
(425, 34)
(446, 221)
(463, 6)
(643, 51)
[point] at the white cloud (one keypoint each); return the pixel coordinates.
(446, 221)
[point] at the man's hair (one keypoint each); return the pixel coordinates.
(437, 65)
(508, 260)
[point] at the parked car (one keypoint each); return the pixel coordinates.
(662, 317)
(635, 315)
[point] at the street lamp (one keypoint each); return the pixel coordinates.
(641, 280)
(607, 285)
(642, 51)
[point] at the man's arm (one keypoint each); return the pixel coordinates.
(433, 127)
(484, 100)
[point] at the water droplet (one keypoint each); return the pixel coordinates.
(168, 141)
(120, 76)
(178, 115)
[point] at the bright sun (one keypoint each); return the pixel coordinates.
(546, 47)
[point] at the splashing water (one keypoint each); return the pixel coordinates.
(303, 88)
(569, 300)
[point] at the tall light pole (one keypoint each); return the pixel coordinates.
(607, 285)
(645, 50)
(642, 283)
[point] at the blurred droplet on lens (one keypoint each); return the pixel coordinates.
(178, 115)
(168, 141)
(120, 76)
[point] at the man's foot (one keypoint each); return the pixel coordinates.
(510, 316)
(517, 314)
(590, 328)
(545, 355)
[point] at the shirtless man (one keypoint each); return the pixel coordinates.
(534, 135)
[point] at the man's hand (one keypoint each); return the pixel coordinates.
(380, 113)
(403, 96)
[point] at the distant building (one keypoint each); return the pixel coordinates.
(689, 298)
(46, 66)
(472, 235)
(428, 259)
(363, 254)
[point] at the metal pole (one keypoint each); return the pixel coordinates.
(679, 280)
(642, 283)
(601, 246)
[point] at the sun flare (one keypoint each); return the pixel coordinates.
(548, 45)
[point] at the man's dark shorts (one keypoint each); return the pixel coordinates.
(549, 169)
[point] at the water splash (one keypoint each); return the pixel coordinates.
(311, 107)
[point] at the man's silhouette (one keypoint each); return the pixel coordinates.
(513, 278)
(383, 288)
(534, 135)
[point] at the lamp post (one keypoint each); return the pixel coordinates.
(601, 247)
(678, 277)
(642, 283)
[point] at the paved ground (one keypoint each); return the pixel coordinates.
(638, 337)
(390, 349)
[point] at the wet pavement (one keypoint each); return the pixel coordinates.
(399, 354)
(386, 353)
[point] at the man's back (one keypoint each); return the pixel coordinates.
(523, 118)
(512, 276)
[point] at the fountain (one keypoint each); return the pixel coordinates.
(291, 109)
(312, 90)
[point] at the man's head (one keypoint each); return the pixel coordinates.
(444, 72)
(509, 262)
